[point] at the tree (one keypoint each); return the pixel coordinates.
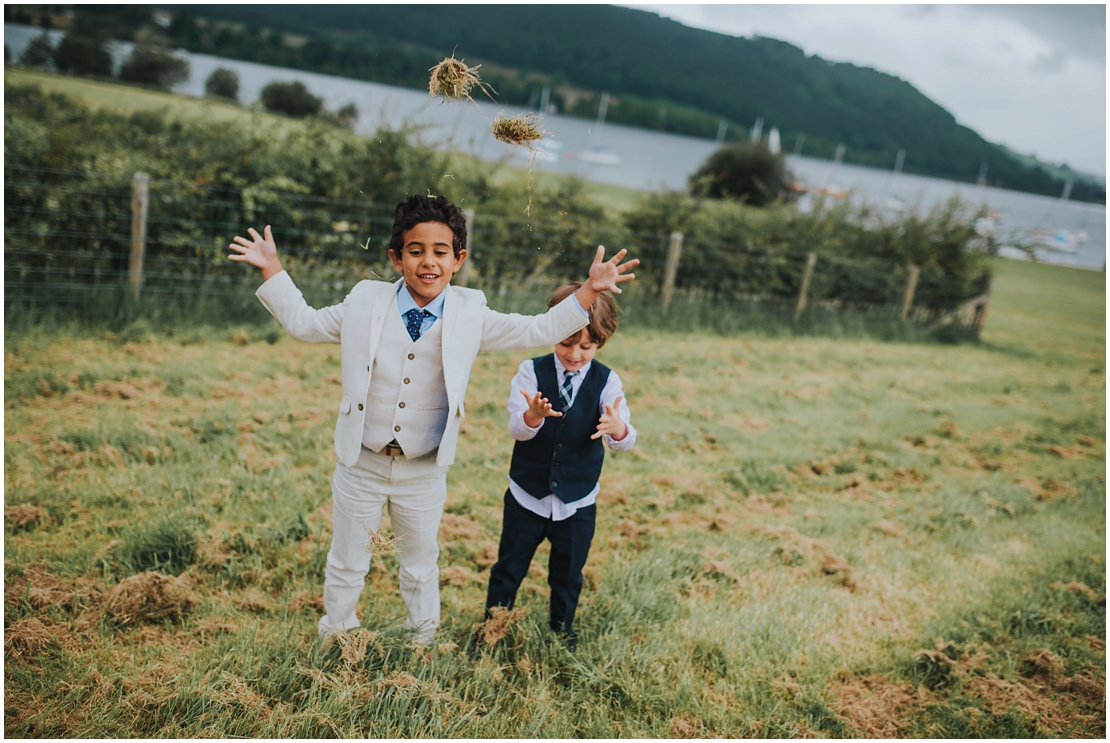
(152, 62)
(39, 52)
(83, 51)
(744, 171)
(348, 115)
(292, 99)
(223, 83)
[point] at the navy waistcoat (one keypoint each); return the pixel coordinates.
(562, 458)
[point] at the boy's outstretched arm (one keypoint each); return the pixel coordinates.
(604, 276)
(260, 252)
(281, 296)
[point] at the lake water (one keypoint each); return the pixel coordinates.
(648, 159)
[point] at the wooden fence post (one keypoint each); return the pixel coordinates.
(911, 287)
(462, 278)
(140, 206)
(674, 252)
(981, 308)
(810, 262)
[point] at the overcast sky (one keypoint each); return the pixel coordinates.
(1032, 77)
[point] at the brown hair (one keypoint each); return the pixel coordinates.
(603, 312)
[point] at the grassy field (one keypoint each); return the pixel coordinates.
(130, 98)
(812, 537)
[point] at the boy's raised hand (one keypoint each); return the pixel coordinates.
(611, 422)
(605, 275)
(538, 409)
(259, 251)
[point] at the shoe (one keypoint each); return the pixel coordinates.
(572, 644)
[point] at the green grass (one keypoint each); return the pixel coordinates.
(813, 535)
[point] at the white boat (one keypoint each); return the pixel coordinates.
(600, 156)
(1061, 241)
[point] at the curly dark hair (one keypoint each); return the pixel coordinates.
(420, 208)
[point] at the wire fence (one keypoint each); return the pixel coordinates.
(87, 243)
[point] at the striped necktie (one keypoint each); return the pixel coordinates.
(566, 392)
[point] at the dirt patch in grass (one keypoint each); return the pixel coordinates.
(27, 637)
(452, 526)
(795, 547)
(41, 588)
(150, 597)
(685, 726)
(876, 706)
(456, 575)
(23, 515)
(1044, 488)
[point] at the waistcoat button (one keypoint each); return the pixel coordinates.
(556, 465)
(554, 484)
(396, 428)
(411, 356)
(406, 380)
(401, 405)
(360, 406)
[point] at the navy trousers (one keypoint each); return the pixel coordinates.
(521, 533)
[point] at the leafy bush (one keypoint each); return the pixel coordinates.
(152, 62)
(84, 51)
(292, 99)
(348, 115)
(744, 171)
(39, 52)
(223, 83)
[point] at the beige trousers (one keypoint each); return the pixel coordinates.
(414, 491)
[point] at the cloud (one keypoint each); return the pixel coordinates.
(1052, 64)
(1076, 29)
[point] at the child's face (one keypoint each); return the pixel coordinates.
(575, 352)
(427, 260)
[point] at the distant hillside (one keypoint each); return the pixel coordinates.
(662, 75)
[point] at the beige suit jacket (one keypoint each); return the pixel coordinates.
(470, 327)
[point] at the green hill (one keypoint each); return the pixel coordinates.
(662, 75)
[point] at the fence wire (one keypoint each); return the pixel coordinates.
(68, 238)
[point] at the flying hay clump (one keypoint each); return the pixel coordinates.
(519, 130)
(453, 80)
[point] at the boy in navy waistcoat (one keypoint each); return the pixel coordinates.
(561, 407)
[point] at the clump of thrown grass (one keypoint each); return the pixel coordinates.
(453, 79)
(518, 130)
(381, 543)
(150, 597)
(494, 629)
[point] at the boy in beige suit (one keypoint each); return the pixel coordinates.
(407, 350)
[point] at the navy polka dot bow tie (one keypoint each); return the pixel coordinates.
(414, 318)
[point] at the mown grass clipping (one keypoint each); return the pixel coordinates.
(453, 80)
(517, 130)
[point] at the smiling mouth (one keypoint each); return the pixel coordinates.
(427, 276)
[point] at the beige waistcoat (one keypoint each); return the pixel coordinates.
(407, 397)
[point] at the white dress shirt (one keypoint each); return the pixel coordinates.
(549, 505)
